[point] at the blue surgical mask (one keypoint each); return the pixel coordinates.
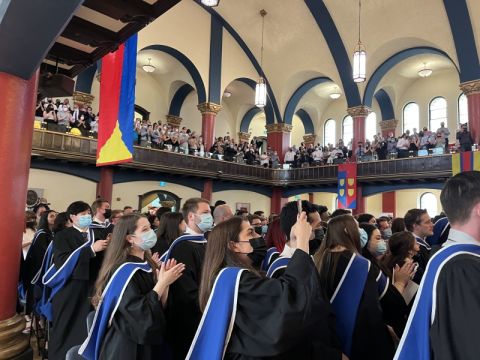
(264, 229)
(381, 248)
(387, 233)
(149, 239)
(84, 221)
(363, 237)
(206, 222)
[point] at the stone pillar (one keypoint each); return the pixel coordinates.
(243, 137)
(359, 114)
(360, 202)
(209, 112)
(207, 190)
(277, 200)
(389, 202)
(82, 99)
(105, 185)
(278, 138)
(174, 121)
(388, 126)
(309, 139)
(17, 108)
(472, 90)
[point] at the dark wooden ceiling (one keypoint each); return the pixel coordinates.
(89, 35)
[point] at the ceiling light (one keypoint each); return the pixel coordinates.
(335, 95)
(149, 68)
(360, 54)
(261, 87)
(210, 3)
(227, 94)
(425, 72)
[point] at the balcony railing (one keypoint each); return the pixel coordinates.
(81, 149)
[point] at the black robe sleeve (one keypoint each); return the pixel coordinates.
(454, 332)
(138, 326)
(281, 318)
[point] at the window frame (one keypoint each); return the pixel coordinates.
(430, 113)
(343, 129)
(403, 116)
(420, 204)
(325, 143)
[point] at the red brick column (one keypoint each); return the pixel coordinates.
(278, 138)
(209, 112)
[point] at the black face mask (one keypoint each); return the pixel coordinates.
(108, 213)
(259, 251)
(258, 230)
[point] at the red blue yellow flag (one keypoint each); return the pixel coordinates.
(465, 161)
(347, 186)
(117, 103)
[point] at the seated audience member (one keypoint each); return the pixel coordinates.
(356, 302)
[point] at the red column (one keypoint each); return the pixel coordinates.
(207, 190)
(310, 197)
(277, 201)
(472, 90)
(209, 112)
(359, 114)
(389, 202)
(105, 185)
(388, 126)
(17, 108)
(360, 202)
(278, 138)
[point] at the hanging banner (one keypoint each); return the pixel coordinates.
(347, 186)
(465, 161)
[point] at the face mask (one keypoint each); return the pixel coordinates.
(387, 233)
(264, 229)
(84, 221)
(258, 230)
(206, 222)
(381, 248)
(363, 237)
(149, 239)
(259, 251)
(108, 213)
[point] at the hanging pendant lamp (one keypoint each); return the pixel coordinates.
(261, 87)
(360, 54)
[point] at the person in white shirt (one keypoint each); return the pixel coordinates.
(290, 157)
(318, 156)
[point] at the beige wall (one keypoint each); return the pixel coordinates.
(61, 189)
(231, 197)
(409, 199)
(373, 205)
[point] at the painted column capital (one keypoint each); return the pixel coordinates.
(360, 110)
(387, 125)
(309, 139)
(470, 87)
(243, 136)
(278, 127)
(82, 98)
(209, 108)
(173, 120)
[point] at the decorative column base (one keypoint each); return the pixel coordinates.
(243, 137)
(388, 126)
(12, 341)
(174, 121)
(309, 139)
(472, 90)
(209, 112)
(82, 99)
(278, 138)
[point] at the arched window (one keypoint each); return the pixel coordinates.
(437, 112)
(411, 117)
(462, 109)
(347, 129)
(370, 126)
(428, 201)
(329, 136)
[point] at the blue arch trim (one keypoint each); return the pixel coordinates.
(386, 107)
(306, 121)
(215, 71)
(247, 118)
(179, 98)
(189, 66)
(247, 52)
(393, 60)
(298, 94)
(85, 79)
(337, 48)
(269, 108)
(464, 39)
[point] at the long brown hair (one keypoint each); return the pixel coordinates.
(117, 252)
(399, 246)
(169, 228)
(219, 255)
(341, 231)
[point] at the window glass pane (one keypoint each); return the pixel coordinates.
(428, 201)
(411, 117)
(462, 109)
(438, 113)
(347, 129)
(329, 133)
(370, 126)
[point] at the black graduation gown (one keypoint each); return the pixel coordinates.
(32, 264)
(454, 333)
(139, 324)
(100, 233)
(422, 257)
(284, 318)
(183, 310)
(71, 304)
(371, 338)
